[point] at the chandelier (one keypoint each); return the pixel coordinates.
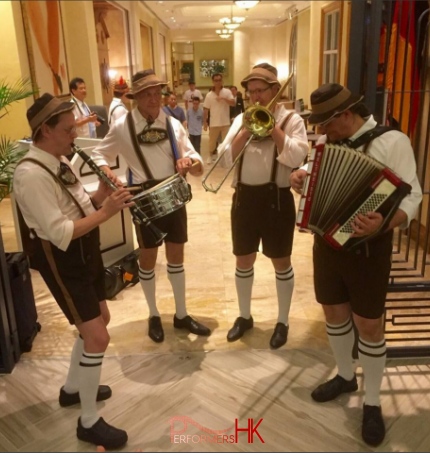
(224, 33)
(246, 5)
(232, 22)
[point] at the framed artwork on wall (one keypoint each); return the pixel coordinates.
(44, 37)
(209, 67)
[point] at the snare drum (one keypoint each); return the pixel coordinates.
(168, 196)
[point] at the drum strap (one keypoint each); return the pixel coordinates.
(58, 180)
(136, 147)
(282, 125)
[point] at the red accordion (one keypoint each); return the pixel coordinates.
(341, 183)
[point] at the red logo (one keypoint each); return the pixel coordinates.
(183, 431)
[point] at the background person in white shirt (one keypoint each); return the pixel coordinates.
(191, 93)
(217, 102)
(86, 121)
(117, 107)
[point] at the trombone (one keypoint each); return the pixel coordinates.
(259, 121)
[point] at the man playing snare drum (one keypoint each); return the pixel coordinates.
(155, 147)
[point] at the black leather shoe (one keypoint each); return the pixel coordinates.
(192, 325)
(69, 399)
(240, 326)
(373, 428)
(279, 337)
(331, 389)
(155, 329)
(101, 433)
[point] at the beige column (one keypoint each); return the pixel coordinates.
(241, 52)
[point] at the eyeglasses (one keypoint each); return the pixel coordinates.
(70, 130)
(217, 80)
(257, 91)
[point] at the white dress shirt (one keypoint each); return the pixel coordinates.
(44, 204)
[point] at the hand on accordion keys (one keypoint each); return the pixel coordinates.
(364, 225)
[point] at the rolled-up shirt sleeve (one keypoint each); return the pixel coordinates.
(296, 145)
(43, 208)
(106, 152)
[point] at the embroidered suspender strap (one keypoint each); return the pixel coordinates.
(57, 179)
(172, 140)
(136, 147)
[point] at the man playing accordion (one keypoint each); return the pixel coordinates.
(352, 285)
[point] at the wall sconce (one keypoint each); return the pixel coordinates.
(246, 5)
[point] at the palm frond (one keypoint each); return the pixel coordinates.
(13, 92)
(9, 157)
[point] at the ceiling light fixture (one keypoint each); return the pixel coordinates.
(224, 33)
(232, 22)
(246, 5)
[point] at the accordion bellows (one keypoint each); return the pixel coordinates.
(341, 183)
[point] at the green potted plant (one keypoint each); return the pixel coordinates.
(9, 156)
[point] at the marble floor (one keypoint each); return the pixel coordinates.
(195, 387)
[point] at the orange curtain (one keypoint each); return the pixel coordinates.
(402, 82)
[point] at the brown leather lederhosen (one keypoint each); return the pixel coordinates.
(263, 202)
(75, 275)
(175, 223)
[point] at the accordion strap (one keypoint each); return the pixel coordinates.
(367, 137)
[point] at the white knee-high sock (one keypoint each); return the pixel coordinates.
(176, 276)
(89, 380)
(147, 281)
(372, 357)
(244, 279)
(72, 381)
(284, 289)
(341, 339)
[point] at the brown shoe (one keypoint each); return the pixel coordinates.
(191, 325)
(155, 329)
(279, 337)
(101, 433)
(240, 326)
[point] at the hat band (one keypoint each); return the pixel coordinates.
(49, 108)
(146, 82)
(332, 103)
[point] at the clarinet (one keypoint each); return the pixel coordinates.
(139, 215)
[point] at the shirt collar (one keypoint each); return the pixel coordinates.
(367, 126)
(140, 122)
(44, 157)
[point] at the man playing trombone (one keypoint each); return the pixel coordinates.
(263, 207)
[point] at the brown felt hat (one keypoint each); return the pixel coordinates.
(329, 100)
(44, 108)
(263, 71)
(143, 80)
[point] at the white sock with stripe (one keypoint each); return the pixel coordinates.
(372, 357)
(244, 279)
(72, 381)
(147, 281)
(176, 276)
(284, 289)
(89, 380)
(341, 339)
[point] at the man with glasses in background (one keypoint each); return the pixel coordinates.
(63, 220)
(217, 103)
(263, 206)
